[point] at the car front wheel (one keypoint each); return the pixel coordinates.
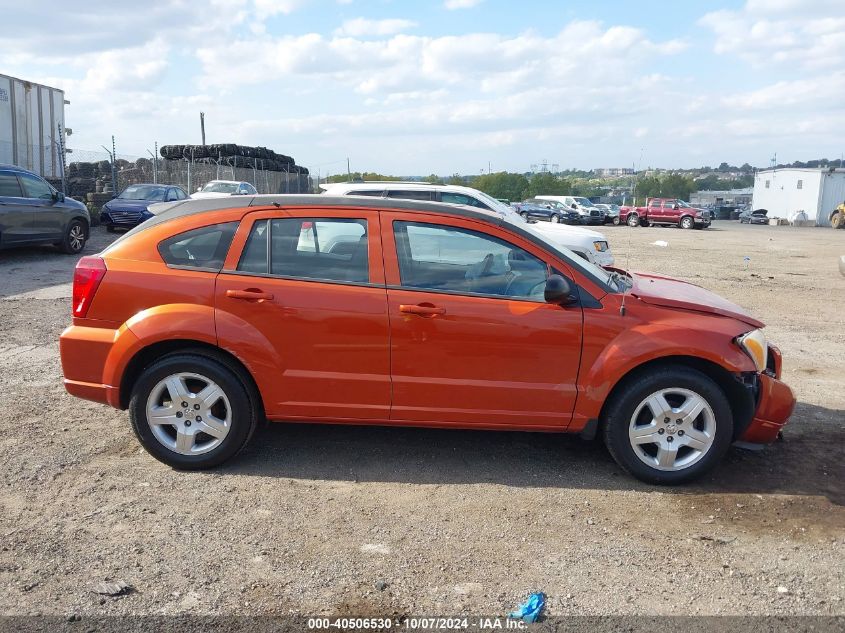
(191, 412)
(555, 219)
(687, 223)
(668, 426)
(76, 235)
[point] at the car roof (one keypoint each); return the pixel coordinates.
(374, 185)
(16, 168)
(228, 182)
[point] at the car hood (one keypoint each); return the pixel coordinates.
(558, 230)
(674, 293)
(127, 205)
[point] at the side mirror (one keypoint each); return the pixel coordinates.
(559, 291)
(199, 188)
(58, 196)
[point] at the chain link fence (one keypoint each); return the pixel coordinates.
(95, 176)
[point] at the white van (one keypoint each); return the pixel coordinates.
(589, 244)
(590, 213)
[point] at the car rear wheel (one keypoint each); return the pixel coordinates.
(633, 220)
(687, 222)
(76, 235)
(668, 426)
(191, 412)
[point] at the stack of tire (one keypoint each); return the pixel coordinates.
(233, 155)
(83, 178)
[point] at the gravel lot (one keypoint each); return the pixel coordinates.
(379, 521)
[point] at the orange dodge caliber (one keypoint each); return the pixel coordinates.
(215, 314)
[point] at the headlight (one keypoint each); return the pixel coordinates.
(754, 344)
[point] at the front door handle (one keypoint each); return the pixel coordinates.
(423, 309)
(250, 294)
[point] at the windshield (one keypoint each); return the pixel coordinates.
(583, 202)
(505, 209)
(589, 269)
(143, 192)
(221, 187)
(682, 204)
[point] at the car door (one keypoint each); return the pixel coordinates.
(472, 340)
(47, 218)
(15, 213)
(655, 211)
(302, 295)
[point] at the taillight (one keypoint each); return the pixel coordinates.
(87, 276)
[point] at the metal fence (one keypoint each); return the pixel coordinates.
(93, 176)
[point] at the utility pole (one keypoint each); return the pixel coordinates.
(348, 172)
(202, 126)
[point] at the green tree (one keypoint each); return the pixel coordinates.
(502, 185)
(456, 179)
(546, 184)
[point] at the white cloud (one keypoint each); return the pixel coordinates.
(268, 8)
(810, 33)
(362, 27)
(461, 4)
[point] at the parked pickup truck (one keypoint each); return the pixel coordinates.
(665, 211)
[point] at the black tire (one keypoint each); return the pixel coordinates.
(622, 405)
(555, 218)
(524, 216)
(645, 223)
(76, 235)
(633, 219)
(837, 220)
(687, 222)
(616, 221)
(244, 412)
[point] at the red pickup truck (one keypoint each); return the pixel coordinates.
(665, 211)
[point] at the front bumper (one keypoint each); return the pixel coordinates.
(774, 407)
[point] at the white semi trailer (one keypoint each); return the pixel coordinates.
(30, 116)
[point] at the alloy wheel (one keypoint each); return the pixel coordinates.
(189, 413)
(76, 237)
(672, 429)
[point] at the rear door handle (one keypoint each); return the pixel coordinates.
(423, 309)
(251, 294)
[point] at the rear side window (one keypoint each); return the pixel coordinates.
(329, 249)
(204, 248)
(9, 185)
(367, 192)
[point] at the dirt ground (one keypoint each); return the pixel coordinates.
(379, 521)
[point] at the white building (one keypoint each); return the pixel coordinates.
(784, 192)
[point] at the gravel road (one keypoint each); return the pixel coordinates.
(380, 521)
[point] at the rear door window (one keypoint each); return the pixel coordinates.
(409, 194)
(329, 249)
(204, 248)
(9, 185)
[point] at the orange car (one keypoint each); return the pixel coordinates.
(218, 313)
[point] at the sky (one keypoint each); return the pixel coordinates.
(414, 87)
